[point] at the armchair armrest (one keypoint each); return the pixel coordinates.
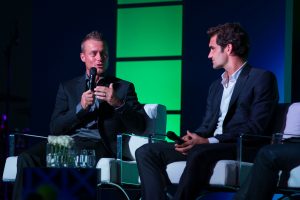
(130, 166)
(12, 140)
(135, 142)
(255, 142)
(290, 138)
(247, 147)
(155, 128)
(250, 141)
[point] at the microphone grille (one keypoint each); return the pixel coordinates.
(171, 135)
(93, 71)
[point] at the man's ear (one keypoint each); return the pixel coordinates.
(229, 49)
(82, 57)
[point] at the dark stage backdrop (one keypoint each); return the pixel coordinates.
(264, 20)
(58, 29)
(43, 42)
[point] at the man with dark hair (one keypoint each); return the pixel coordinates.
(92, 118)
(241, 101)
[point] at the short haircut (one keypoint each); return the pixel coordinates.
(232, 33)
(94, 35)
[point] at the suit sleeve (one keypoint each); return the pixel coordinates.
(64, 118)
(205, 129)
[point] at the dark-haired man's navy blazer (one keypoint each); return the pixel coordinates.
(250, 109)
(253, 100)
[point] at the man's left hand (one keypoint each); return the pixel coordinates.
(107, 94)
(190, 140)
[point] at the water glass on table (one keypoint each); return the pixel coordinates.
(85, 158)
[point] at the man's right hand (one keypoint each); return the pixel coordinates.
(87, 99)
(190, 140)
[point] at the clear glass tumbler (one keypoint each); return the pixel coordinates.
(86, 158)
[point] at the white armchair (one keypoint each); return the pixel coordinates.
(10, 169)
(156, 127)
(229, 174)
(155, 124)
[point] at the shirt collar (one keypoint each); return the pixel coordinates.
(87, 78)
(233, 77)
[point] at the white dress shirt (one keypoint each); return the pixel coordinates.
(228, 85)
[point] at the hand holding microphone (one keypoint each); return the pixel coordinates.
(87, 98)
(102, 92)
(92, 78)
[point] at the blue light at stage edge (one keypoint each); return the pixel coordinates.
(272, 59)
(276, 65)
(279, 73)
(227, 196)
(267, 43)
(218, 195)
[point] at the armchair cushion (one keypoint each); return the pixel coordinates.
(155, 124)
(294, 180)
(108, 169)
(224, 172)
(10, 169)
(292, 126)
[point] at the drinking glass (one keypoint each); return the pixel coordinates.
(51, 156)
(86, 158)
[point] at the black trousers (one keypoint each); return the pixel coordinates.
(36, 157)
(262, 181)
(201, 159)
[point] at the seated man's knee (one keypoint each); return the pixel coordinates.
(142, 151)
(266, 153)
(196, 153)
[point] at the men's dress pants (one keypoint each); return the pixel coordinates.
(36, 157)
(262, 181)
(201, 159)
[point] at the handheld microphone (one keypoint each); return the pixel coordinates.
(172, 136)
(92, 79)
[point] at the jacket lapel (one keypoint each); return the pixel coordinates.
(80, 87)
(240, 84)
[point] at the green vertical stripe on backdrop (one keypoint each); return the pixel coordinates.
(155, 81)
(144, 1)
(149, 31)
(173, 123)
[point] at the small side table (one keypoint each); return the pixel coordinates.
(60, 183)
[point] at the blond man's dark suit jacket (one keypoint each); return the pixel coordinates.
(111, 121)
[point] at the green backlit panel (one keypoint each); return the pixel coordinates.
(149, 31)
(173, 123)
(155, 81)
(143, 1)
